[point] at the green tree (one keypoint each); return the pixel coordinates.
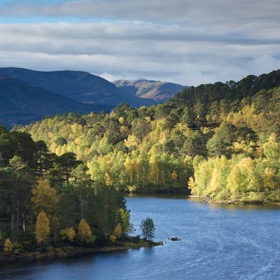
(26, 148)
(67, 163)
(221, 142)
(105, 206)
(68, 208)
(148, 229)
(43, 158)
(140, 128)
(126, 226)
(20, 193)
(8, 145)
(81, 183)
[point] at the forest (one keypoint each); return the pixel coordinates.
(46, 199)
(65, 177)
(219, 141)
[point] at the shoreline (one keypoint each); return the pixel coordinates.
(207, 200)
(71, 251)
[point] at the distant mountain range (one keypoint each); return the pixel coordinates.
(21, 103)
(27, 95)
(80, 86)
(155, 90)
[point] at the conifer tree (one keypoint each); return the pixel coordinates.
(148, 229)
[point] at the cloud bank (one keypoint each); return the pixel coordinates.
(184, 41)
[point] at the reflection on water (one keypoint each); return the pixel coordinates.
(251, 207)
(216, 242)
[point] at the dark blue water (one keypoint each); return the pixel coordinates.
(216, 243)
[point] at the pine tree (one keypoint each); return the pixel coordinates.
(148, 229)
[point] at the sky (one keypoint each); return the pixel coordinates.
(189, 42)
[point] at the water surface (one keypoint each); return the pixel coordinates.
(215, 243)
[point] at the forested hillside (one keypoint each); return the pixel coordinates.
(219, 140)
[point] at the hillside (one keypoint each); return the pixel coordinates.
(80, 86)
(156, 90)
(22, 103)
(220, 140)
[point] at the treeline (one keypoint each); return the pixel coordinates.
(182, 144)
(46, 199)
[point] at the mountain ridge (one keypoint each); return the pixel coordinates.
(78, 85)
(156, 90)
(21, 103)
(86, 91)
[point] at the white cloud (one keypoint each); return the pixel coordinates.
(184, 41)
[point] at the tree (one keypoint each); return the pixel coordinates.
(67, 163)
(26, 148)
(6, 194)
(45, 198)
(222, 140)
(104, 208)
(68, 234)
(85, 233)
(43, 158)
(23, 179)
(82, 184)
(126, 226)
(8, 145)
(68, 208)
(118, 231)
(148, 229)
(8, 246)
(42, 228)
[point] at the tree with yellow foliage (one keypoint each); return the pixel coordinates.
(42, 228)
(68, 234)
(118, 231)
(8, 246)
(84, 233)
(44, 197)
